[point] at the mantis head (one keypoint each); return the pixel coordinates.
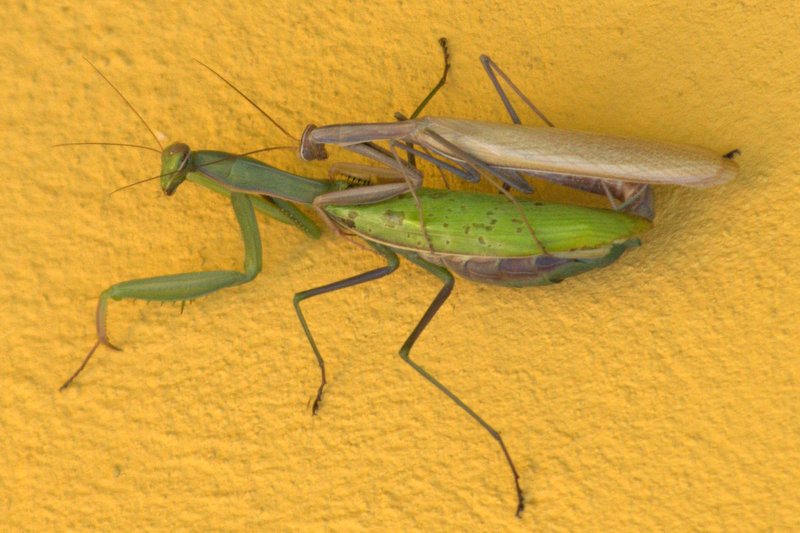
(174, 160)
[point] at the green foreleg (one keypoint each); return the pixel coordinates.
(188, 286)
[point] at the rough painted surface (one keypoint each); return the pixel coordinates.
(660, 393)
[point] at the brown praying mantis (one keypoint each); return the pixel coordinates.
(620, 168)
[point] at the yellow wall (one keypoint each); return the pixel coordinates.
(658, 394)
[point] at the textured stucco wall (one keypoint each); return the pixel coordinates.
(658, 394)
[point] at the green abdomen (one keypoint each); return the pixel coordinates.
(479, 224)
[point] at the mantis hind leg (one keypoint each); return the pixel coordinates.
(439, 85)
(492, 70)
(428, 97)
(637, 199)
(187, 286)
(392, 263)
(447, 279)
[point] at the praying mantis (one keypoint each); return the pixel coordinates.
(480, 237)
(620, 168)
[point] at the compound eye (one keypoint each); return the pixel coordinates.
(177, 148)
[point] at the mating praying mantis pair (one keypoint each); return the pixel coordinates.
(482, 237)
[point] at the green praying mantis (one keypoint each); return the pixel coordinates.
(480, 237)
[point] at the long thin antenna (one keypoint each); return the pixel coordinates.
(126, 101)
(245, 154)
(128, 186)
(109, 144)
(126, 145)
(232, 86)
